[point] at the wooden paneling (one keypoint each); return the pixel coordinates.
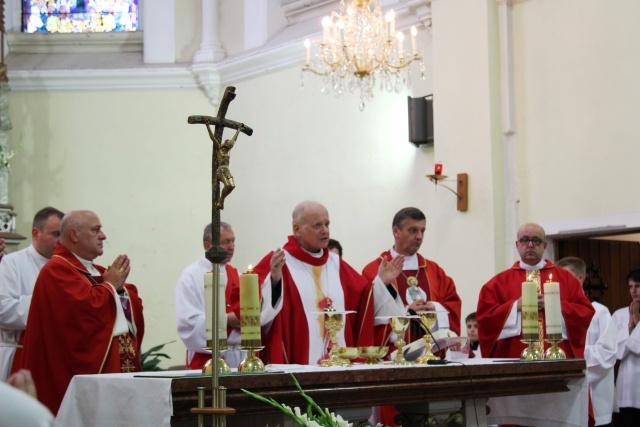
(614, 259)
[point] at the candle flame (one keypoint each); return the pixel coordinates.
(550, 279)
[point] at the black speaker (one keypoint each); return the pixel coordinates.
(420, 120)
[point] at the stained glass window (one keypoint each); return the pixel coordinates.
(79, 16)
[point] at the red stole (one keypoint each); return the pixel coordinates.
(287, 339)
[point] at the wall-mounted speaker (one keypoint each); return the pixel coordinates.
(421, 120)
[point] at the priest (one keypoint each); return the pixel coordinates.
(84, 319)
(302, 279)
(421, 285)
(500, 302)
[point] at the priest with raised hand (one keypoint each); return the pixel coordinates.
(84, 319)
(299, 281)
(500, 301)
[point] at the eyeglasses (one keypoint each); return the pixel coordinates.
(526, 240)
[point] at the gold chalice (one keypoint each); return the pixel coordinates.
(373, 353)
(333, 323)
(399, 327)
(427, 321)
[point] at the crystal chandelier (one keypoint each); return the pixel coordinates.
(359, 45)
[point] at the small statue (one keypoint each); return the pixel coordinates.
(223, 174)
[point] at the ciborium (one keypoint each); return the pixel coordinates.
(427, 321)
(554, 352)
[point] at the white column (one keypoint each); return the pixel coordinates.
(159, 30)
(511, 223)
(210, 46)
(204, 67)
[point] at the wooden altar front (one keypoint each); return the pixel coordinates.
(412, 387)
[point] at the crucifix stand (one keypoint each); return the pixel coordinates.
(216, 254)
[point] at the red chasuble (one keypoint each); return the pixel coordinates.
(233, 281)
(70, 328)
(498, 295)
(431, 279)
(287, 340)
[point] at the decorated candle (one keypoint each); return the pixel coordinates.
(529, 308)
(249, 307)
(221, 311)
(552, 314)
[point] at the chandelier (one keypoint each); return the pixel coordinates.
(358, 46)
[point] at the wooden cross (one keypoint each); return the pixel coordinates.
(216, 254)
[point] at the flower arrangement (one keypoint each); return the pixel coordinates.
(315, 416)
(6, 155)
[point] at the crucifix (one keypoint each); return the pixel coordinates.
(220, 173)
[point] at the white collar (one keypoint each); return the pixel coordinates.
(410, 261)
(538, 266)
(88, 265)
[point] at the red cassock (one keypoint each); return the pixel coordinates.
(499, 294)
(431, 279)
(70, 328)
(233, 281)
(287, 339)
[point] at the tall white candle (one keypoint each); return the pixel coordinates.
(249, 306)
(222, 304)
(414, 32)
(326, 28)
(400, 38)
(221, 311)
(552, 311)
(392, 22)
(529, 308)
(208, 303)
(307, 46)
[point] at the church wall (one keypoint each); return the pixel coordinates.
(577, 93)
(131, 157)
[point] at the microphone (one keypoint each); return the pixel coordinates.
(440, 361)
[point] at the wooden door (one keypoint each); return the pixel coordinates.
(608, 262)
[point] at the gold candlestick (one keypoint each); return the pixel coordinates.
(223, 366)
(554, 352)
(427, 321)
(251, 363)
(531, 352)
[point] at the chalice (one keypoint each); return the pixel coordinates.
(333, 323)
(399, 327)
(427, 321)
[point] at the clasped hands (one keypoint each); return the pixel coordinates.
(117, 272)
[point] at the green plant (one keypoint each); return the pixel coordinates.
(151, 358)
(315, 415)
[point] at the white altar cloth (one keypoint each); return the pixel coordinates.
(126, 400)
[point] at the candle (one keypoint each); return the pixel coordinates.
(222, 305)
(438, 169)
(529, 308)
(208, 303)
(388, 17)
(552, 312)
(249, 306)
(400, 38)
(221, 312)
(326, 27)
(392, 22)
(414, 32)
(307, 46)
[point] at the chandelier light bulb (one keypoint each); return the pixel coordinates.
(358, 50)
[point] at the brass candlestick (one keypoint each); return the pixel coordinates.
(554, 352)
(427, 321)
(334, 322)
(399, 327)
(251, 363)
(531, 352)
(223, 366)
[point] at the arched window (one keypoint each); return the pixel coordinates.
(79, 16)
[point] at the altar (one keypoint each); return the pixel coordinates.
(545, 393)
